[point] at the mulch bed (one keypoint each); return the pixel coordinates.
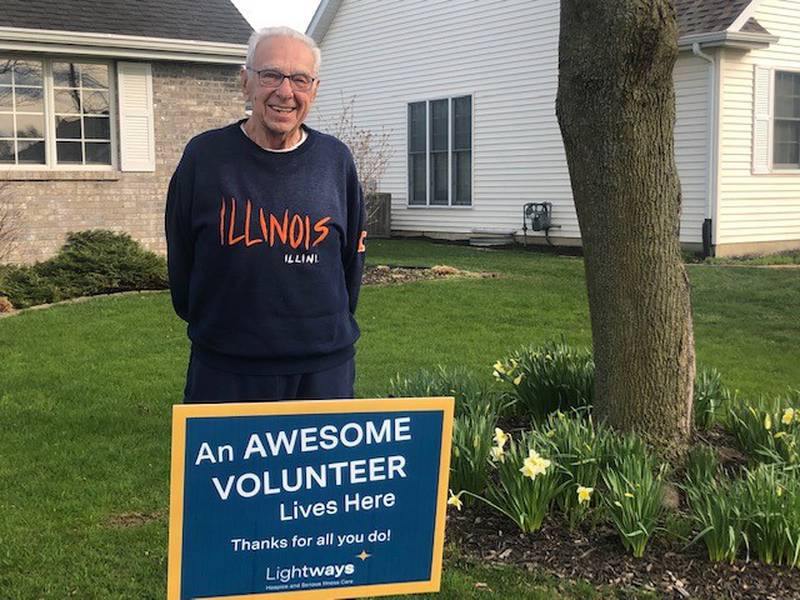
(597, 555)
(385, 274)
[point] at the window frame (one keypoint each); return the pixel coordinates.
(48, 96)
(776, 166)
(428, 100)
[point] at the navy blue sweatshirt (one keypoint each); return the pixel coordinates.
(265, 252)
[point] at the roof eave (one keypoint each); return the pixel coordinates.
(119, 46)
(322, 19)
(728, 39)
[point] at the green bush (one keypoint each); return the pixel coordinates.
(633, 499)
(477, 408)
(710, 395)
(548, 378)
(715, 506)
(471, 394)
(769, 433)
(772, 504)
(527, 481)
(90, 263)
(580, 446)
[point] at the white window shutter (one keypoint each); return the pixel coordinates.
(137, 138)
(762, 119)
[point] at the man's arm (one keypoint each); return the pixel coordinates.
(353, 258)
(180, 245)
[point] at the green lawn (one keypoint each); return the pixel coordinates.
(86, 390)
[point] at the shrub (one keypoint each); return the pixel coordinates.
(527, 481)
(477, 409)
(472, 442)
(710, 394)
(715, 505)
(90, 263)
(633, 499)
(771, 496)
(548, 378)
(767, 433)
(580, 447)
(471, 394)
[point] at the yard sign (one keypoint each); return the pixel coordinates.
(308, 499)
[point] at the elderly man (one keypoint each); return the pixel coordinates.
(265, 240)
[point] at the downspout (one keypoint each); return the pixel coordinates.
(710, 149)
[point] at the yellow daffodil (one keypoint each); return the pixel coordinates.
(499, 368)
(788, 416)
(767, 422)
(534, 465)
(500, 437)
(455, 500)
(628, 495)
(514, 364)
(518, 379)
(779, 434)
(497, 454)
(584, 494)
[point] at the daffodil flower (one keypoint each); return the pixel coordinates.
(455, 500)
(497, 454)
(500, 437)
(584, 494)
(518, 379)
(788, 416)
(499, 368)
(767, 422)
(779, 434)
(534, 465)
(628, 495)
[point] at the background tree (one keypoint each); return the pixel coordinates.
(616, 109)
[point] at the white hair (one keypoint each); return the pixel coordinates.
(286, 32)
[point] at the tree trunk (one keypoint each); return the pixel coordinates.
(616, 109)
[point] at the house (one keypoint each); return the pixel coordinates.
(467, 91)
(98, 99)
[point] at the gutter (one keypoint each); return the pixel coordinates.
(120, 46)
(708, 241)
(729, 39)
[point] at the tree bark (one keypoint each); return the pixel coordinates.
(616, 110)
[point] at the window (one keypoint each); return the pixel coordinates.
(54, 113)
(440, 152)
(786, 149)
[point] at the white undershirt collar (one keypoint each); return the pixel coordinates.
(303, 137)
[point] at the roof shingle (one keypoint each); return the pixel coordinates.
(201, 20)
(707, 16)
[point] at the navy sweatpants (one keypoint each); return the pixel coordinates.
(207, 384)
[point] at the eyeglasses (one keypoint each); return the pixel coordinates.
(270, 78)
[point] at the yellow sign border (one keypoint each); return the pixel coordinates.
(182, 412)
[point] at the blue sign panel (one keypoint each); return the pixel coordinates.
(339, 497)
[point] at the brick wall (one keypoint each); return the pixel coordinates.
(187, 99)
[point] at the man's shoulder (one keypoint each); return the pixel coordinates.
(330, 143)
(210, 139)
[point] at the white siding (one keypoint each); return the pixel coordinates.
(505, 54)
(752, 207)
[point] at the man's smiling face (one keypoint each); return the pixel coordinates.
(279, 111)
